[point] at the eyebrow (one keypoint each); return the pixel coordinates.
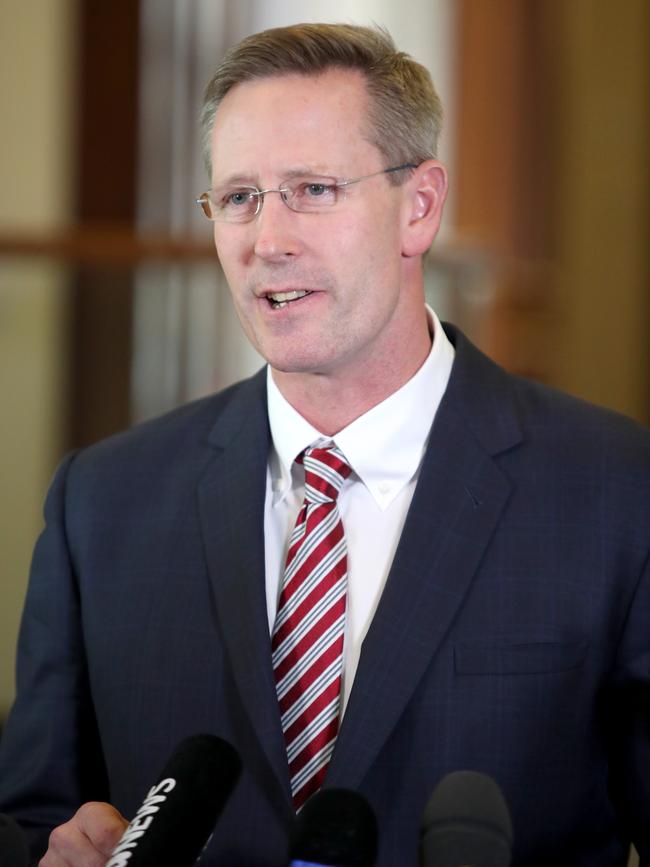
(242, 180)
(297, 172)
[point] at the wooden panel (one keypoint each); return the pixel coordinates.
(110, 246)
(553, 182)
(602, 207)
(503, 152)
(106, 191)
(505, 158)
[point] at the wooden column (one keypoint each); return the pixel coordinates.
(106, 152)
(553, 170)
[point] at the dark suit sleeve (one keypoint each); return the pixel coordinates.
(50, 759)
(628, 710)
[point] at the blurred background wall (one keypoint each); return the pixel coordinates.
(112, 305)
(36, 177)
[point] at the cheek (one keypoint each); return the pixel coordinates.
(348, 252)
(234, 276)
(217, 237)
(374, 255)
(229, 247)
(376, 235)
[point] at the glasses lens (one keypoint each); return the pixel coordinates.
(311, 193)
(233, 204)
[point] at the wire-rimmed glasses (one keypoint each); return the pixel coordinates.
(307, 194)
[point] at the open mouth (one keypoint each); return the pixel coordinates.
(277, 300)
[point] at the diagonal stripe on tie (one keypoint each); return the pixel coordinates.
(324, 580)
(307, 641)
(299, 563)
(318, 720)
(311, 631)
(299, 678)
(328, 674)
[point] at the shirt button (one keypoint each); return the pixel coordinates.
(384, 487)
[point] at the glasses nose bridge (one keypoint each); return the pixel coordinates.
(284, 193)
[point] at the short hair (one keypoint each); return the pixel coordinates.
(404, 114)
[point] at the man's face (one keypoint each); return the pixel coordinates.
(356, 313)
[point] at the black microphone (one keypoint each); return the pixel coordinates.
(466, 821)
(179, 813)
(13, 844)
(335, 828)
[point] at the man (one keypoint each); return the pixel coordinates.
(495, 614)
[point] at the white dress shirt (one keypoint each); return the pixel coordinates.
(384, 448)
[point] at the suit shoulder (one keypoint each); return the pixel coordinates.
(176, 435)
(547, 410)
(504, 409)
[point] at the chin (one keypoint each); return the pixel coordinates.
(296, 363)
(288, 366)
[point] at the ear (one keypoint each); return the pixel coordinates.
(426, 192)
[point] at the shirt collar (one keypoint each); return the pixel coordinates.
(385, 445)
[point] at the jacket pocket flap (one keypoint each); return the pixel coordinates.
(518, 658)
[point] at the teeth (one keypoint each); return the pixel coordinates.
(282, 297)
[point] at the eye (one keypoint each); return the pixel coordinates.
(317, 189)
(236, 198)
(314, 193)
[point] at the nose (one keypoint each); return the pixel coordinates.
(276, 230)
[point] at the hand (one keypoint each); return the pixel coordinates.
(87, 839)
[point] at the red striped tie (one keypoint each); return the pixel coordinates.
(307, 639)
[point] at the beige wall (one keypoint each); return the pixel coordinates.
(603, 210)
(35, 93)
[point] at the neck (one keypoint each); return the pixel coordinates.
(330, 401)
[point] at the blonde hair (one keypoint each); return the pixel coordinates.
(404, 115)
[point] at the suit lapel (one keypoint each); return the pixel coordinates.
(231, 503)
(459, 497)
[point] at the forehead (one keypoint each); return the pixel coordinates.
(276, 124)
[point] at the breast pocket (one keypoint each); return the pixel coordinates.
(526, 703)
(518, 658)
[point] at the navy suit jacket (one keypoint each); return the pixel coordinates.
(512, 637)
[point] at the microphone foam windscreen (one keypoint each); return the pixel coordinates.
(337, 828)
(466, 821)
(179, 813)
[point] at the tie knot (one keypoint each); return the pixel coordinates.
(325, 471)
